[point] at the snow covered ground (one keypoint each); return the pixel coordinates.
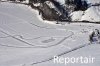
(25, 40)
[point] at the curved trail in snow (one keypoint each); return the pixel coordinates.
(33, 46)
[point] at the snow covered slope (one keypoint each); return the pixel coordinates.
(27, 41)
(60, 10)
(61, 1)
(93, 1)
(92, 14)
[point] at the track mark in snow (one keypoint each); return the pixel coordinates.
(34, 46)
(48, 40)
(61, 54)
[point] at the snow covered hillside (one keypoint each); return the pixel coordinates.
(93, 1)
(25, 40)
(69, 9)
(92, 14)
(65, 10)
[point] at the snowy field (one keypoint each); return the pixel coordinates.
(26, 40)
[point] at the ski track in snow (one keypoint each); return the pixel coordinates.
(33, 46)
(63, 53)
